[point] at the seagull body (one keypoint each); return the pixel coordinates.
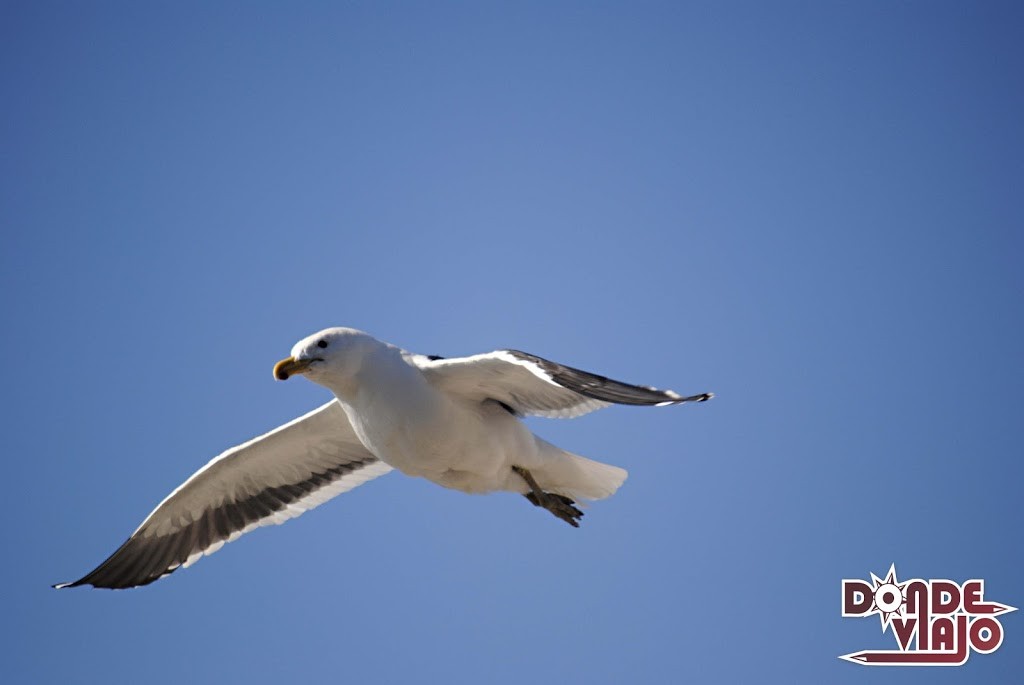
(455, 422)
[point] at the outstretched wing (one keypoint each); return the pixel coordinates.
(529, 384)
(267, 480)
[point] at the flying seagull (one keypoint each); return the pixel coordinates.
(452, 421)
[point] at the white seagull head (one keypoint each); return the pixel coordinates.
(332, 353)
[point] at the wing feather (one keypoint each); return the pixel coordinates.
(532, 385)
(268, 480)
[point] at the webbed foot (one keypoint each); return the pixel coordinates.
(559, 505)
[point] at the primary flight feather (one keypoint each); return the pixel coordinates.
(452, 421)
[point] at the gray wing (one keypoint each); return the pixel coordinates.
(532, 385)
(268, 480)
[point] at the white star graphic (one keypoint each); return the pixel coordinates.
(889, 597)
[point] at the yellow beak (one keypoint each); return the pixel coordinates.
(289, 367)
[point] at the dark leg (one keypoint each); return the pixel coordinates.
(559, 505)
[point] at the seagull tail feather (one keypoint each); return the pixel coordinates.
(577, 477)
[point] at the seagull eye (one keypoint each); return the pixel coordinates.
(322, 344)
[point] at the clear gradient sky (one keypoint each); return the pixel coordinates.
(812, 209)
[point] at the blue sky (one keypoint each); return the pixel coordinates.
(811, 209)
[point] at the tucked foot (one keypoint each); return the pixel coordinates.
(559, 505)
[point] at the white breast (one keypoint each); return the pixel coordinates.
(404, 421)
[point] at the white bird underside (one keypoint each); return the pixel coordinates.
(453, 421)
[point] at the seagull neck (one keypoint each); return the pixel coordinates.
(345, 389)
(380, 371)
